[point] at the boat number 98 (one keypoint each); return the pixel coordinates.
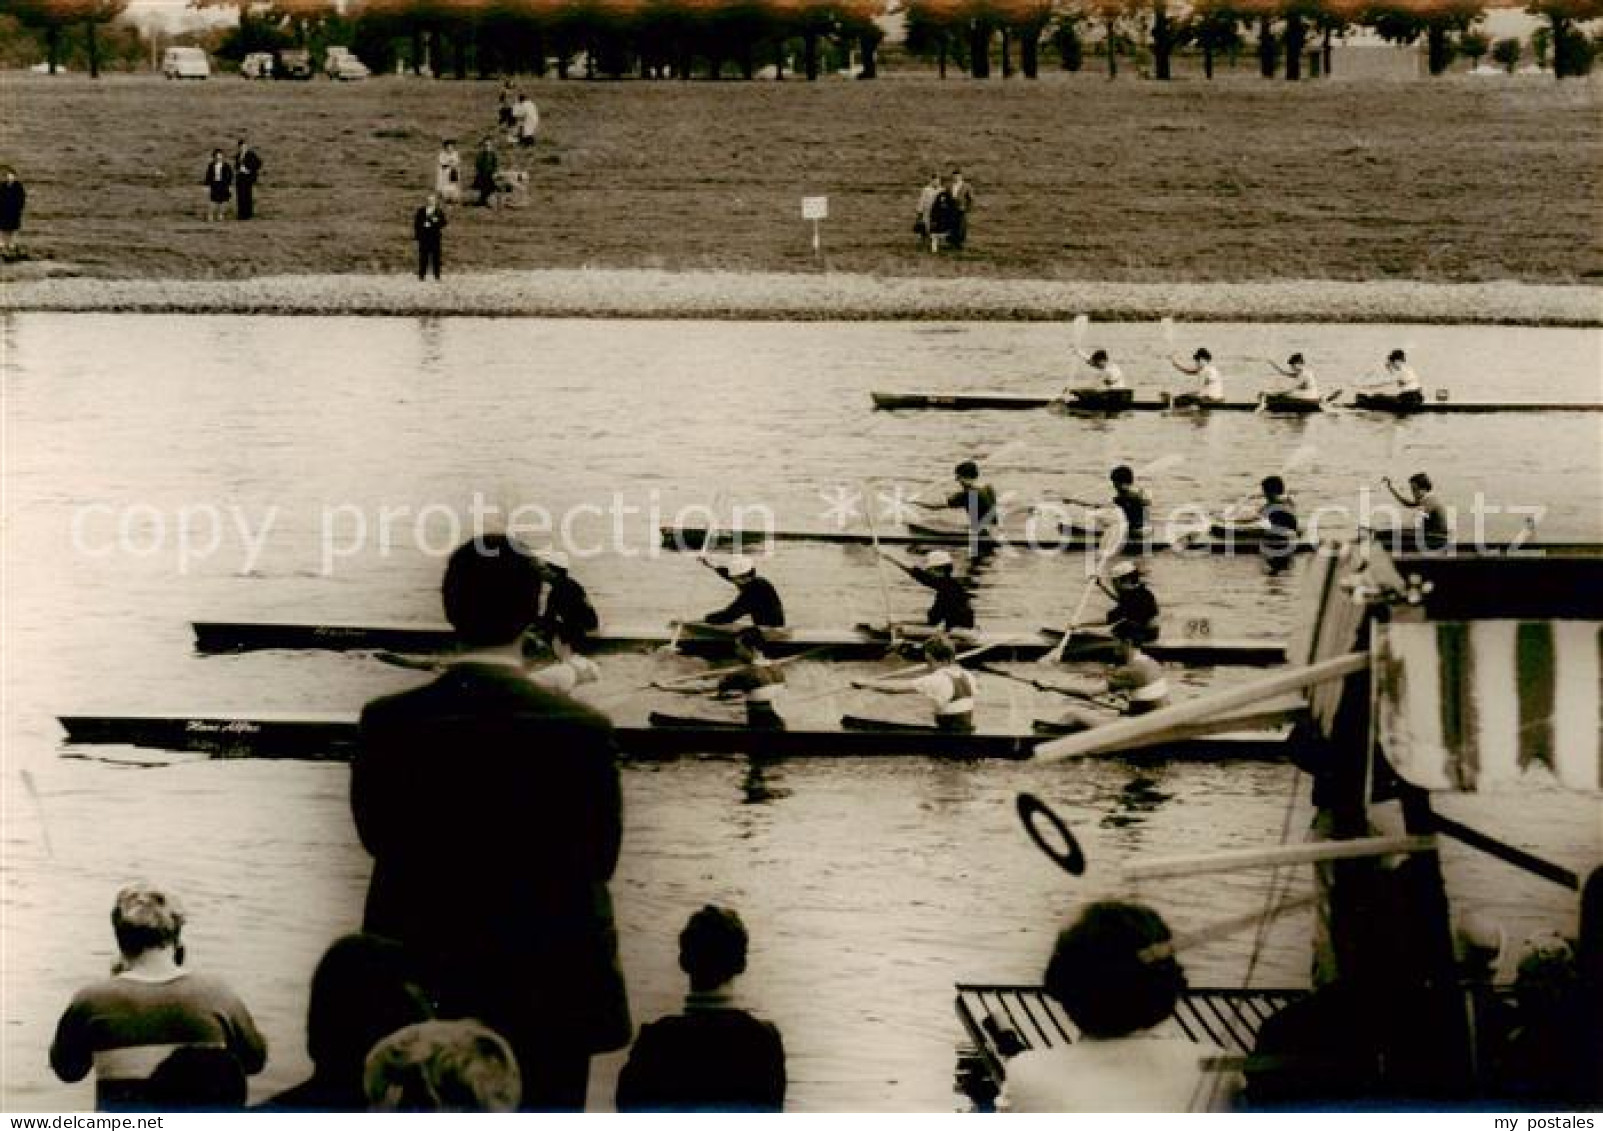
(1198, 626)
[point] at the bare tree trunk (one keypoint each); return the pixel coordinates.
(1268, 51)
(1296, 40)
(979, 50)
(868, 43)
(1110, 44)
(92, 43)
(1207, 60)
(1007, 54)
(810, 54)
(1162, 41)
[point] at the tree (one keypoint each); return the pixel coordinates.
(1474, 45)
(1067, 43)
(1572, 51)
(1506, 53)
(1111, 15)
(933, 26)
(1404, 21)
(1215, 26)
(858, 21)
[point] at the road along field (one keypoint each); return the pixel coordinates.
(1077, 178)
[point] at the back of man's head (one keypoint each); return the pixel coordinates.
(145, 918)
(491, 590)
(712, 947)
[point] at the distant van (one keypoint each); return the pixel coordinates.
(185, 63)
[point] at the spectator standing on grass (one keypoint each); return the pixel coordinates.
(493, 813)
(448, 174)
(926, 205)
(219, 182)
(962, 204)
(247, 171)
(504, 101)
(428, 229)
(13, 198)
(127, 1026)
(713, 1056)
(485, 166)
(527, 116)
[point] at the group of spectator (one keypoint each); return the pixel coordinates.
(232, 181)
(941, 218)
(487, 973)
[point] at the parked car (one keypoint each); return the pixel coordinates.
(293, 63)
(341, 64)
(185, 63)
(257, 65)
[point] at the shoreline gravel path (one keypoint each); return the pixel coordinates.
(826, 297)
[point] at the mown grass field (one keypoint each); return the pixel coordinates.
(1077, 178)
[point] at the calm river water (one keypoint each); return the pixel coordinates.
(164, 469)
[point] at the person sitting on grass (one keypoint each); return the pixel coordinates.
(1115, 974)
(713, 1056)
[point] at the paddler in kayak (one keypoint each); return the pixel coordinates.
(569, 671)
(758, 682)
(1111, 389)
(1276, 523)
(755, 598)
(1136, 685)
(953, 608)
(567, 611)
(1401, 389)
(975, 499)
(950, 688)
(1135, 607)
(1296, 369)
(1131, 500)
(1210, 383)
(1434, 528)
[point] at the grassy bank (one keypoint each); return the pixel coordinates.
(1078, 179)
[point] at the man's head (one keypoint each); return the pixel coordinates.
(145, 918)
(938, 561)
(1202, 355)
(364, 989)
(1125, 575)
(1420, 482)
(1396, 357)
(1099, 358)
(1273, 486)
(491, 590)
(939, 651)
(967, 472)
(1296, 361)
(1122, 476)
(712, 947)
(1114, 971)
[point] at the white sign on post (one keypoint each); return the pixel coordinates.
(815, 208)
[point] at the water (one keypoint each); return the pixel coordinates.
(869, 887)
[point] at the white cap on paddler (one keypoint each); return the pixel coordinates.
(1125, 570)
(937, 559)
(740, 566)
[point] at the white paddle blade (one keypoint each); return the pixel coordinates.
(1082, 323)
(1167, 326)
(1161, 465)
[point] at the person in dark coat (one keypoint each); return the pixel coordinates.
(428, 229)
(364, 989)
(485, 165)
(247, 171)
(715, 1056)
(13, 198)
(219, 182)
(493, 813)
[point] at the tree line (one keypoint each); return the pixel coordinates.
(715, 39)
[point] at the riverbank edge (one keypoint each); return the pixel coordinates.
(758, 296)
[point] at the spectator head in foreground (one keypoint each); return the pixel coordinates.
(712, 947)
(452, 1066)
(491, 590)
(1114, 971)
(145, 918)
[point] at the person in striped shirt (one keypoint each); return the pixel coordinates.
(126, 1026)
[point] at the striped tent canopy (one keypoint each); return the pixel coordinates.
(1463, 705)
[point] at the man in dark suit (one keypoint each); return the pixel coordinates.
(428, 229)
(493, 814)
(247, 170)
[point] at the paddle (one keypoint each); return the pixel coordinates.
(1056, 689)
(914, 669)
(1302, 456)
(994, 456)
(687, 683)
(879, 555)
(708, 541)
(1107, 549)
